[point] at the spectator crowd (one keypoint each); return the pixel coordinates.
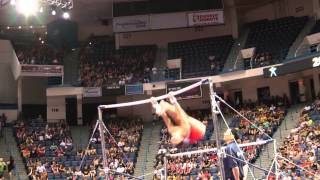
(302, 146)
(204, 166)
(39, 54)
(101, 65)
(48, 151)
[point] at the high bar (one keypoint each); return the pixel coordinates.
(145, 101)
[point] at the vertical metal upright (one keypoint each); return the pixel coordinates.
(165, 161)
(103, 143)
(216, 127)
(276, 168)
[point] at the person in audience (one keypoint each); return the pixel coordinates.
(3, 167)
(11, 166)
(302, 145)
(234, 169)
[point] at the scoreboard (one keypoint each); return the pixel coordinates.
(291, 67)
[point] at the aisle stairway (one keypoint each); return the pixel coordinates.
(80, 136)
(222, 126)
(8, 146)
(148, 150)
(267, 155)
(233, 63)
(305, 31)
(71, 67)
(160, 64)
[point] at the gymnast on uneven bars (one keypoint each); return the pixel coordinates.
(182, 127)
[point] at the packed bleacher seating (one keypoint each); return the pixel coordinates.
(102, 65)
(201, 57)
(266, 118)
(48, 151)
(44, 148)
(273, 39)
(122, 147)
(302, 146)
(32, 47)
(38, 54)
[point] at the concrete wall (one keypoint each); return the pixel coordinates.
(8, 87)
(278, 86)
(263, 12)
(34, 90)
(162, 37)
(93, 27)
(277, 9)
(299, 8)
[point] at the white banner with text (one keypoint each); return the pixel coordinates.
(131, 23)
(92, 92)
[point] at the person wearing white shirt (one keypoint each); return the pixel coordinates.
(41, 169)
(120, 169)
(162, 150)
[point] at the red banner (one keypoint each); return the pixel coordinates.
(205, 18)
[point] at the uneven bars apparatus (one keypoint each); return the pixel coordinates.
(202, 81)
(101, 107)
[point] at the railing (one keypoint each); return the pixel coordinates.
(15, 65)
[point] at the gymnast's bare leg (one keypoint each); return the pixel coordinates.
(182, 127)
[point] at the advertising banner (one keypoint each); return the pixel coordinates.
(41, 70)
(115, 90)
(92, 92)
(193, 93)
(131, 23)
(205, 18)
(134, 89)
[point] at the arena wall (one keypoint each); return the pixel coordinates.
(34, 90)
(278, 9)
(263, 12)
(278, 86)
(162, 37)
(8, 87)
(299, 8)
(94, 27)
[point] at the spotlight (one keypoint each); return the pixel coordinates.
(42, 42)
(31, 27)
(41, 9)
(13, 2)
(8, 27)
(40, 39)
(27, 7)
(53, 12)
(19, 27)
(66, 15)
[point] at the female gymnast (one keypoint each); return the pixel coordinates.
(182, 127)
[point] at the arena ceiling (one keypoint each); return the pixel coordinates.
(84, 11)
